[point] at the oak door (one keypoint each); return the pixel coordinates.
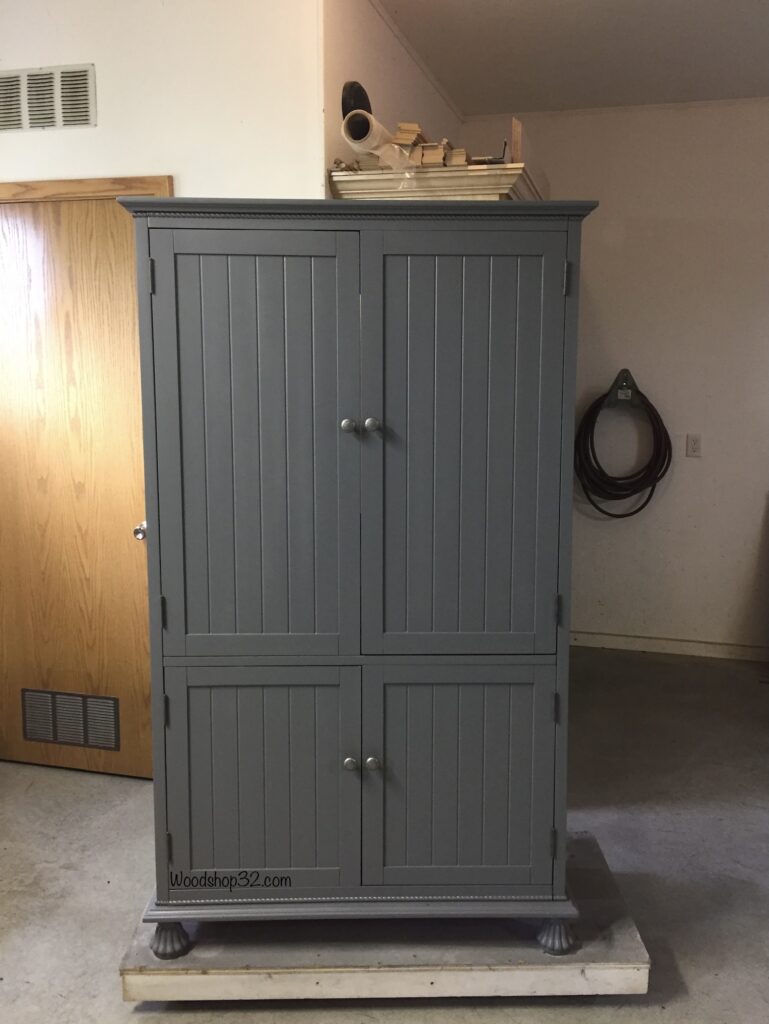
(256, 338)
(462, 336)
(73, 581)
(464, 791)
(255, 781)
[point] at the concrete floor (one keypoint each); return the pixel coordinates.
(669, 770)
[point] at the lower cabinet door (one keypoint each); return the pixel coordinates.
(461, 789)
(258, 799)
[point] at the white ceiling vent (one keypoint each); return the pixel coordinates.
(56, 97)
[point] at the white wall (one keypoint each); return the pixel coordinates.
(224, 95)
(361, 44)
(676, 286)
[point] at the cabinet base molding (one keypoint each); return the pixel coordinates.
(360, 907)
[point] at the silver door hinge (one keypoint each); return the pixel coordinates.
(169, 847)
(166, 710)
(553, 842)
(566, 277)
(556, 707)
(151, 275)
(559, 609)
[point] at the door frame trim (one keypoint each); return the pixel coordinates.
(57, 189)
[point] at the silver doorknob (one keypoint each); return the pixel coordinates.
(140, 531)
(373, 764)
(350, 764)
(372, 424)
(348, 426)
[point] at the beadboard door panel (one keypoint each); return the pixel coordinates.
(465, 791)
(462, 363)
(255, 775)
(256, 356)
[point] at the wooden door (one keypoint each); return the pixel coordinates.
(256, 785)
(256, 365)
(73, 584)
(462, 364)
(464, 794)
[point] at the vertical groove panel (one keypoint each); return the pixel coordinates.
(395, 732)
(395, 450)
(272, 433)
(470, 809)
(214, 288)
(301, 744)
(496, 771)
(475, 371)
(445, 770)
(277, 770)
(420, 391)
(326, 441)
(201, 795)
(529, 332)
(501, 419)
(193, 432)
(299, 445)
(419, 782)
(521, 777)
(448, 384)
(245, 443)
(224, 755)
(251, 776)
(327, 781)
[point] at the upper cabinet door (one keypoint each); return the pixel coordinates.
(256, 342)
(462, 337)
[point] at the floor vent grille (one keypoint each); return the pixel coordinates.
(77, 719)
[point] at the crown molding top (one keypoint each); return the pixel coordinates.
(141, 206)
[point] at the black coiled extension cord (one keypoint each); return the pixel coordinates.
(599, 485)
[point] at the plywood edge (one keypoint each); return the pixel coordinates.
(552, 979)
(51, 190)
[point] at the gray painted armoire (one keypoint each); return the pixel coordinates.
(358, 429)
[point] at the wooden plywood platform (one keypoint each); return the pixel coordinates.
(403, 958)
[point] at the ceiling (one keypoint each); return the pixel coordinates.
(501, 56)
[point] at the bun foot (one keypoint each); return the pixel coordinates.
(170, 940)
(557, 938)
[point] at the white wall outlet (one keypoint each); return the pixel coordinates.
(693, 446)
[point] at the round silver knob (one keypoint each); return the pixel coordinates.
(372, 424)
(140, 531)
(373, 764)
(350, 764)
(348, 426)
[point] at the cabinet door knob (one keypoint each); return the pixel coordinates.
(372, 424)
(140, 531)
(350, 764)
(373, 764)
(348, 426)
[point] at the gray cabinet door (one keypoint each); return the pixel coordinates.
(465, 792)
(256, 342)
(462, 364)
(255, 782)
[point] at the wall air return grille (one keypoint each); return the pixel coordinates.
(50, 716)
(55, 97)
(10, 103)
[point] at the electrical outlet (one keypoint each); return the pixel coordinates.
(693, 446)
